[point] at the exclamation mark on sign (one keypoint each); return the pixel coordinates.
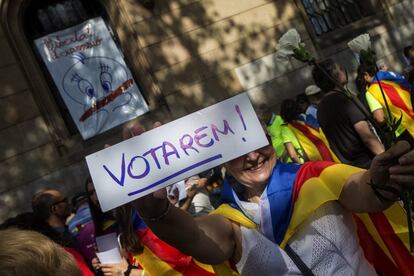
(242, 120)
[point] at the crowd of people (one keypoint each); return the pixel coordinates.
(72, 227)
(301, 205)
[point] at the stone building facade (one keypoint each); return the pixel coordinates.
(186, 55)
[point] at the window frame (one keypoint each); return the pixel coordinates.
(346, 33)
(73, 146)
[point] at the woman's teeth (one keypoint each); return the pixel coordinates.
(257, 167)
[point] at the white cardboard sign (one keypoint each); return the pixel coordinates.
(175, 151)
(90, 73)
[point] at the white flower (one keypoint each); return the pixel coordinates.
(362, 42)
(287, 43)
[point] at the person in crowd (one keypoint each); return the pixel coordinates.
(311, 142)
(25, 252)
(343, 121)
(274, 125)
(198, 200)
(314, 95)
(398, 94)
(51, 209)
(82, 213)
(303, 104)
(23, 221)
(289, 111)
(291, 219)
(215, 179)
(409, 70)
(144, 252)
(177, 192)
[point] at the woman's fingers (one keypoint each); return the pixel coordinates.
(398, 169)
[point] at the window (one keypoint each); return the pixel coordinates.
(333, 21)
(43, 17)
(78, 52)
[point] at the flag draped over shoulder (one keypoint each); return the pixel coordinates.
(313, 142)
(299, 191)
(159, 258)
(398, 94)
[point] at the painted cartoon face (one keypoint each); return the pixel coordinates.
(92, 79)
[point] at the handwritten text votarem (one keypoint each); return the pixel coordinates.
(175, 151)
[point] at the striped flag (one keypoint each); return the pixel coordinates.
(398, 94)
(383, 236)
(313, 142)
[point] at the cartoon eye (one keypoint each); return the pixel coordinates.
(107, 87)
(106, 81)
(86, 87)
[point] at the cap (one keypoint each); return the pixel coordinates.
(312, 90)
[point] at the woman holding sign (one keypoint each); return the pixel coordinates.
(280, 219)
(146, 254)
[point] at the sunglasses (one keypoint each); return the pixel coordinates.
(65, 199)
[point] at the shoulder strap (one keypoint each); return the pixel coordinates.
(304, 269)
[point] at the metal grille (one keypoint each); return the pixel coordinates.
(61, 15)
(329, 15)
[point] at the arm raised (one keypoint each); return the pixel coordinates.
(394, 167)
(209, 239)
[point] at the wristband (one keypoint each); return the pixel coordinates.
(390, 189)
(128, 271)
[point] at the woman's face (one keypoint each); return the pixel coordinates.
(92, 194)
(255, 168)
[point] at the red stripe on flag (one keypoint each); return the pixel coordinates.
(168, 254)
(400, 254)
(319, 144)
(373, 252)
(307, 171)
(396, 99)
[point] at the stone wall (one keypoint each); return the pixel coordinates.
(199, 52)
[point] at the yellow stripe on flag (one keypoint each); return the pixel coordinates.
(374, 234)
(153, 265)
(398, 219)
(396, 112)
(235, 215)
(317, 191)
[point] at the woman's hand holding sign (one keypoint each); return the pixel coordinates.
(206, 237)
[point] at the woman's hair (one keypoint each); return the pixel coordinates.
(25, 252)
(24, 221)
(129, 239)
(123, 216)
(98, 216)
(319, 75)
(360, 82)
(289, 110)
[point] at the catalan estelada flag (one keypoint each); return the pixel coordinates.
(159, 258)
(313, 142)
(296, 191)
(398, 94)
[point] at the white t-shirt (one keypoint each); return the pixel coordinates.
(326, 242)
